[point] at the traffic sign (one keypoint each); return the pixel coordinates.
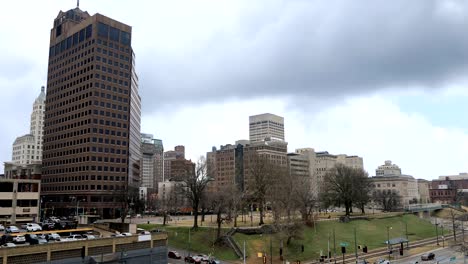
(344, 244)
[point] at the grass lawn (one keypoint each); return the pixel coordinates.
(201, 241)
(372, 233)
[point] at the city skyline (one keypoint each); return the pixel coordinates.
(406, 119)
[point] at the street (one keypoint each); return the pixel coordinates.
(442, 256)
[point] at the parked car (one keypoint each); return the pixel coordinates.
(428, 256)
(12, 229)
(203, 257)
(214, 261)
(192, 259)
(6, 239)
(46, 225)
(74, 238)
(117, 235)
(33, 227)
(2, 228)
(33, 239)
(19, 239)
(174, 255)
(8, 245)
(88, 236)
(127, 234)
(53, 236)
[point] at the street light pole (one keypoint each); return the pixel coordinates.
(355, 244)
(437, 232)
(388, 240)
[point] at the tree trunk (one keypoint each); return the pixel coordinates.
(347, 209)
(218, 221)
(235, 217)
(363, 209)
(164, 218)
(261, 213)
(203, 214)
(195, 216)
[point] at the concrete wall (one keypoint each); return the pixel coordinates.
(68, 251)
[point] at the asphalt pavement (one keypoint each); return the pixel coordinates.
(446, 255)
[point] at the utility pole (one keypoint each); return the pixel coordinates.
(244, 251)
(271, 251)
(334, 245)
(355, 245)
(437, 232)
(443, 238)
(328, 251)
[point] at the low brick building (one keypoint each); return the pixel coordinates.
(450, 189)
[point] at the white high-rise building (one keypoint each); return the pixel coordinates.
(266, 126)
(27, 149)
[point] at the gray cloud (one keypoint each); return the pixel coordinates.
(319, 49)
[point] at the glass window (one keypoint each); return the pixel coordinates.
(125, 38)
(62, 46)
(69, 42)
(114, 34)
(82, 35)
(75, 39)
(89, 31)
(103, 30)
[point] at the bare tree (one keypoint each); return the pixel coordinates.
(259, 169)
(220, 205)
(389, 200)
(343, 185)
(127, 199)
(284, 203)
(195, 184)
(306, 201)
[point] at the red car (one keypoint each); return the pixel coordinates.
(174, 255)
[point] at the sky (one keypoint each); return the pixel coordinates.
(381, 79)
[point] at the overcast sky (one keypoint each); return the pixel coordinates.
(384, 80)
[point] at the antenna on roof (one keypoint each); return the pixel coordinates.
(78, 3)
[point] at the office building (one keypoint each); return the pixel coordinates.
(92, 119)
(450, 189)
(27, 149)
(171, 155)
(19, 200)
(390, 179)
(266, 126)
(231, 164)
(152, 161)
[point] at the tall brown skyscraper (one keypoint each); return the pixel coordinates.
(92, 118)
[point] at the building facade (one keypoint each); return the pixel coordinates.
(423, 190)
(450, 189)
(27, 149)
(232, 164)
(19, 200)
(266, 126)
(92, 117)
(151, 162)
(171, 155)
(23, 171)
(391, 180)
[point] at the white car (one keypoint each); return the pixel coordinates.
(86, 236)
(12, 229)
(127, 234)
(53, 237)
(19, 239)
(32, 227)
(8, 245)
(2, 228)
(74, 238)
